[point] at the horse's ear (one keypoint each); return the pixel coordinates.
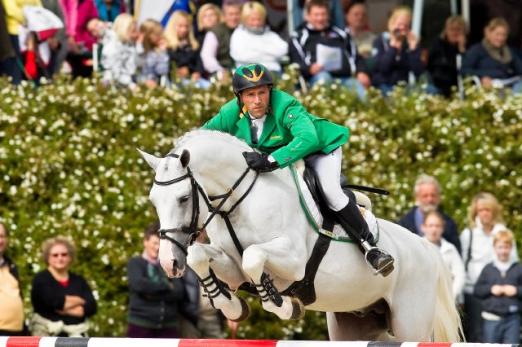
(153, 161)
(185, 158)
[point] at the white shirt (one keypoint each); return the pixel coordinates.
(453, 262)
(208, 53)
(267, 48)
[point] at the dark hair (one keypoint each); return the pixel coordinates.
(315, 3)
(353, 3)
(151, 230)
(236, 3)
(6, 231)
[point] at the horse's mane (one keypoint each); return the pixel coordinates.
(211, 134)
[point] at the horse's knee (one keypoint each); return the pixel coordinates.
(197, 258)
(254, 259)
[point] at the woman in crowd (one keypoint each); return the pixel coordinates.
(154, 62)
(396, 52)
(183, 49)
(442, 61)
(493, 61)
(485, 220)
(208, 16)
(433, 227)
(357, 26)
(253, 41)
(62, 300)
(119, 54)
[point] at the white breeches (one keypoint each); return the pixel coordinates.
(328, 169)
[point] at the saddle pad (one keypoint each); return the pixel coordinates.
(315, 217)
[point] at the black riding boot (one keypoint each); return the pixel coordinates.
(355, 226)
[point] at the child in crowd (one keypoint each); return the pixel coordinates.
(154, 62)
(433, 227)
(119, 54)
(499, 286)
(184, 49)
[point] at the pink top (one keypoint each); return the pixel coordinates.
(77, 14)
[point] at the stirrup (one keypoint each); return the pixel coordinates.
(385, 269)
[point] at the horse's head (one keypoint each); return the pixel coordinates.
(175, 196)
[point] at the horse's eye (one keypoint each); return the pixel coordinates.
(183, 199)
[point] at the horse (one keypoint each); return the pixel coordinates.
(205, 184)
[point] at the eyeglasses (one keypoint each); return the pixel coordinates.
(56, 255)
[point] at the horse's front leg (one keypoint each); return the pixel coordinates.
(284, 259)
(214, 268)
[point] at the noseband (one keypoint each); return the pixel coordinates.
(193, 230)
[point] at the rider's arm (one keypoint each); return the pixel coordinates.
(225, 119)
(305, 140)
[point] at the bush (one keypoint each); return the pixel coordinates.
(69, 166)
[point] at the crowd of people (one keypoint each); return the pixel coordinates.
(208, 43)
(62, 301)
(482, 259)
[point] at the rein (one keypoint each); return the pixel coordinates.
(192, 230)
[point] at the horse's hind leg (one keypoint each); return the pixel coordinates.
(286, 260)
(212, 265)
(346, 326)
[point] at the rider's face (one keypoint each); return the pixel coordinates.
(256, 100)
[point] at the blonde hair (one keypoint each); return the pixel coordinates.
(491, 201)
(58, 240)
(122, 25)
(504, 236)
(172, 36)
(205, 8)
(148, 28)
(252, 7)
(495, 23)
(436, 214)
(397, 11)
(456, 21)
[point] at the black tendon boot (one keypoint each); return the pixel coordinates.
(355, 226)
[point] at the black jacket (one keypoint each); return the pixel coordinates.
(450, 233)
(478, 62)
(303, 50)
(48, 296)
(391, 66)
(499, 305)
(442, 65)
(154, 299)
(186, 56)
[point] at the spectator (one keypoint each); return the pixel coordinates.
(396, 53)
(253, 41)
(12, 312)
(443, 55)
(499, 287)
(108, 10)
(493, 61)
(209, 15)
(77, 14)
(325, 52)
(215, 51)
(485, 220)
(7, 53)
(62, 300)
(357, 26)
(427, 198)
(154, 299)
(432, 228)
(119, 54)
(57, 43)
(183, 50)
(335, 10)
(155, 60)
(14, 17)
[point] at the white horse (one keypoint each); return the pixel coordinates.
(413, 303)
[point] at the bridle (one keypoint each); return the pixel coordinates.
(193, 230)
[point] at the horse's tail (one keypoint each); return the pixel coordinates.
(447, 325)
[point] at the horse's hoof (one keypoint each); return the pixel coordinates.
(298, 309)
(245, 311)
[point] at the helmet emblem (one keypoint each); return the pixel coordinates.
(253, 76)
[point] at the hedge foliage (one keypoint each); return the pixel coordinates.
(68, 165)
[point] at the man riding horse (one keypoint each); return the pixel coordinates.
(277, 125)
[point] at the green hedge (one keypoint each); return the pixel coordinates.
(68, 165)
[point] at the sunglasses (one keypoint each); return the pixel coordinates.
(56, 255)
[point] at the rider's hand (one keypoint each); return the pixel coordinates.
(259, 162)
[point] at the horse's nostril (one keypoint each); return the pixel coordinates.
(174, 263)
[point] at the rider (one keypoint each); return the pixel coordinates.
(277, 125)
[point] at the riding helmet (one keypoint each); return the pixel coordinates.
(249, 76)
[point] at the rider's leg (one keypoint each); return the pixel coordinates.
(328, 169)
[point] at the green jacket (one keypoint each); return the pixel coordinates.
(289, 133)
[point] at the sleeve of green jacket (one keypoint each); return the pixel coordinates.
(225, 119)
(304, 136)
